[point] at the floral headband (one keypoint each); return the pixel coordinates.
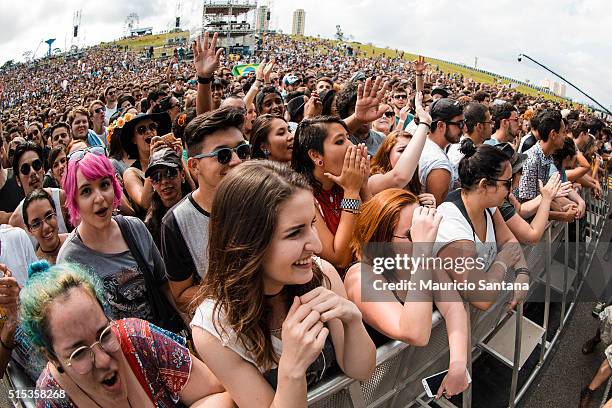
(118, 123)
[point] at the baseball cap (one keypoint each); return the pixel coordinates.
(165, 157)
(290, 79)
(358, 76)
(516, 159)
(445, 109)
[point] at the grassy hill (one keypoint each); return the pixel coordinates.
(161, 44)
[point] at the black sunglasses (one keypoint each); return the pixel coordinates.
(224, 155)
(389, 114)
(99, 110)
(507, 183)
(27, 167)
(168, 173)
(142, 129)
(460, 123)
(400, 96)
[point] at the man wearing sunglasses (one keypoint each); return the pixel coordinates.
(110, 93)
(29, 173)
(215, 144)
(478, 127)
(97, 110)
(507, 124)
(437, 174)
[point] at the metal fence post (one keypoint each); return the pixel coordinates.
(517, 353)
(547, 262)
(565, 268)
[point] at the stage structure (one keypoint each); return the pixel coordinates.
(232, 20)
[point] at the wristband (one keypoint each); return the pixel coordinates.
(350, 205)
(521, 271)
(426, 124)
(205, 81)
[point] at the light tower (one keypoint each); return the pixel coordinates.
(230, 18)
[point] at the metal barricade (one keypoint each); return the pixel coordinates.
(396, 381)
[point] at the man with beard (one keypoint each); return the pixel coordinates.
(478, 128)
(29, 173)
(437, 174)
(506, 124)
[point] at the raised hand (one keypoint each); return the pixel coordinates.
(206, 59)
(419, 65)
(425, 223)
(313, 107)
(369, 97)
(427, 200)
(422, 114)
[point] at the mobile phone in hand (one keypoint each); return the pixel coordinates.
(432, 383)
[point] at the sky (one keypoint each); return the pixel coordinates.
(569, 36)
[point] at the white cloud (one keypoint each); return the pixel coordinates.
(569, 36)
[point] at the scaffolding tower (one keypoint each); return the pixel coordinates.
(231, 19)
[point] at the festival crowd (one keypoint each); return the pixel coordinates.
(171, 232)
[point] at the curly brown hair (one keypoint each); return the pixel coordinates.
(243, 218)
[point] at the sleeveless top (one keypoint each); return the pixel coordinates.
(328, 203)
(203, 318)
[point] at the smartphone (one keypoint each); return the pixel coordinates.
(432, 383)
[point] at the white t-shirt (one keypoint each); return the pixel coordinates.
(455, 227)
(454, 155)
(433, 157)
(16, 252)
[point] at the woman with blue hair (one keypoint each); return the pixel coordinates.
(100, 362)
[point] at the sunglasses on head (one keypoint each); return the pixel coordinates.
(142, 129)
(168, 173)
(27, 167)
(224, 155)
(79, 154)
(389, 114)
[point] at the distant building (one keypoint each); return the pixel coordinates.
(299, 20)
(262, 21)
(555, 87)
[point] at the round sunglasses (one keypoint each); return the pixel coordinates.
(79, 154)
(224, 154)
(27, 167)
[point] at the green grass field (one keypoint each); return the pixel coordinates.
(159, 42)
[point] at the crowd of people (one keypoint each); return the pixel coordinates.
(219, 230)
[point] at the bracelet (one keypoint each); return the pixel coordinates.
(5, 346)
(350, 204)
(204, 81)
(521, 271)
(426, 124)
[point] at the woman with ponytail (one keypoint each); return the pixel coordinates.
(472, 228)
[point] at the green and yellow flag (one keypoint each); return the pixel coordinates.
(244, 69)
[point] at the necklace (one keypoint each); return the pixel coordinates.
(330, 199)
(54, 250)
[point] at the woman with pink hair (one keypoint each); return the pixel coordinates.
(119, 250)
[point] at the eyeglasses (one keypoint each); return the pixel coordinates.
(83, 358)
(460, 123)
(99, 110)
(407, 236)
(224, 155)
(142, 129)
(389, 114)
(507, 183)
(400, 96)
(168, 173)
(29, 135)
(27, 167)
(79, 154)
(37, 224)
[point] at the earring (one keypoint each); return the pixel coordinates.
(319, 162)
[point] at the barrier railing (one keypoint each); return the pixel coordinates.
(396, 381)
